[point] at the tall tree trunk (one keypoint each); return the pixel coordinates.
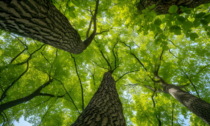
(162, 6)
(40, 20)
(195, 104)
(105, 108)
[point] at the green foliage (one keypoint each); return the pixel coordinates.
(122, 33)
(173, 9)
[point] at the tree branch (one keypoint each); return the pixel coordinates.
(13, 103)
(80, 81)
(191, 82)
(91, 37)
(51, 95)
(68, 95)
(125, 74)
(107, 61)
(4, 94)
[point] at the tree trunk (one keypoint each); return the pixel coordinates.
(105, 108)
(162, 6)
(40, 20)
(196, 105)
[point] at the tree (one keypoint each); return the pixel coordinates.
(105, 107)
(39, 20)
(149, 55)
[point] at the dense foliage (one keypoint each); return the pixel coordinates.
(136, 44)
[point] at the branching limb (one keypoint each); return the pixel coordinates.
(30, 55)
(51, 95)
(116, 58)
(68, 95)
(172, 53)
(152, 89)
(13, 103)
(48, 108)
(101, 32)
(80, 81)
(91, 37)
(107, 61)
(25, 48)
(96, 64)
(125, 74)
(159, 63)
(191, 82)
(4, 94)
(203, 68)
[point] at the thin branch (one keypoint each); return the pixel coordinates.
(132, 85)
(126, 45)
(109, 65)
(4, 94)
(13, 59)
(30, 55)
(172, 53)
(159, 64)
(26, 47)
(80, 81)
(125, 74)
(46, 112)
(91, 37)
(101, 32)
(139, 61)
(68, 95)
(51, 95)
(191, 82)
(90, 25)
(172, 115)
(116, 59)
(42, 102)
(154, 90)
(206, 66)
(173, 43)
(152, 97)
(159, 121)
(15, 102)
(96, 64)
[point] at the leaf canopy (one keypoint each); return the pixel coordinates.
(131, 42)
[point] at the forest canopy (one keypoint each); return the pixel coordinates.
(142, 48)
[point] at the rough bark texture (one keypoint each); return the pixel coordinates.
(196, 105)
(105, 108)
(40, 20)
(162, 6)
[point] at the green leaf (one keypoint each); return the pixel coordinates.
(173, 9)
(181, 19)
(176, 29)
(157, 22)
(193, 36)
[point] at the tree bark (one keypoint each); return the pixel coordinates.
(162, 6)
(105, 108)
(40, 20)
(194, 104)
